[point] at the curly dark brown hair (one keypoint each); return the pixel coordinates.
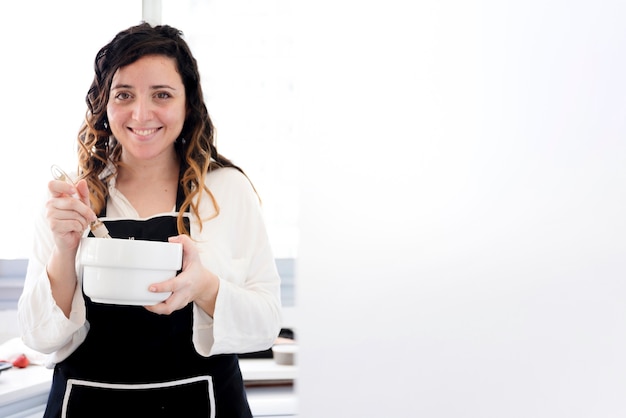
(98, 147)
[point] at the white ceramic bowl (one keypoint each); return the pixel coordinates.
(119, 271)
(285, 354)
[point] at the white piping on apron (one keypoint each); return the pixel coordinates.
(122, 386)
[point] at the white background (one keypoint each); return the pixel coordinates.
(462, 246)
(46, 70)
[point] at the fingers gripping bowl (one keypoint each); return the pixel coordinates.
(119, 271)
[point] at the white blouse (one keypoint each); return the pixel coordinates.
(234, 245)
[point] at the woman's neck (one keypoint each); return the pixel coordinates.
(150, 187)
(161, 169)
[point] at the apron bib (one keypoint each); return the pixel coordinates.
(134, 363)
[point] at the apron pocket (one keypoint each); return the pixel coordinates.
(192, 397)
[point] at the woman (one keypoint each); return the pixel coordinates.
(149, 168)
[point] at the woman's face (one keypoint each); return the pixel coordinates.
(146, 108)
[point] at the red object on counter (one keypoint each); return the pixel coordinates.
(20, 361)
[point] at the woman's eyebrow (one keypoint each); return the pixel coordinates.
(155, 87)
(121, 86)
(162, 86)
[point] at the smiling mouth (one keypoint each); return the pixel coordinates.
(144, 132)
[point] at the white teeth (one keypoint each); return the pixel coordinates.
(144, 132)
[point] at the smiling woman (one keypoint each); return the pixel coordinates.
(146, 110)
(245, 49)
(150, 170)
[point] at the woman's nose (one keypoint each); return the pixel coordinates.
(142, 110)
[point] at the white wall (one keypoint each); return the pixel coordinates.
(462, 212)
(8, 325)
(46, 70)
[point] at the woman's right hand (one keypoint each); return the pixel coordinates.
(69, 213)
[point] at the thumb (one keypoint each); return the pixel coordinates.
(83, 191)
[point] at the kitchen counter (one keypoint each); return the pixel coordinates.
(23, 392)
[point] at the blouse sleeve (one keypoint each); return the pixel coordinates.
(235, 246)
(43, 325)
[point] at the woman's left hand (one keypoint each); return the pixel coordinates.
(194, 284)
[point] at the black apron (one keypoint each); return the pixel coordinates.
(134, 363)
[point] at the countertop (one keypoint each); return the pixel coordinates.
(269, 387)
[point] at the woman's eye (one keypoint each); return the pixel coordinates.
(122, 96)
(163, 95)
